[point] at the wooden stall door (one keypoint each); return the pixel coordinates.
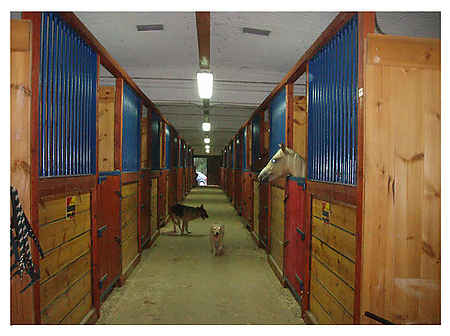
(145, 208)
(296, 236)
(263, 213)
(256, 206)
(108, 218)
(213, 164)
(401, 271)
(154, 206)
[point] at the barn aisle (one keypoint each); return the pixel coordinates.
(180, 282)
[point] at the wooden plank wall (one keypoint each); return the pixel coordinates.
(256, 207)
(65, 237)
(277, 228)
(129, 223)
(154, 207)
(300, 126)
(21, 303)
(401, 275)
(106, 108)
(333, 262)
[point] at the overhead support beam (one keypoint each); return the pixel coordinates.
(204, 39)
(106, 59)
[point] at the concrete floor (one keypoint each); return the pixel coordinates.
(178, 281)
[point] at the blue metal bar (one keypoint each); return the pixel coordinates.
(333, 116)
(72, 102)
(54, 103)
(339, 84)
(355, 101)
(77, 105)
(347, 103)
(59, 102)
(83, 107)
(44, 86)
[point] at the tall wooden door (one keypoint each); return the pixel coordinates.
(154, 206)
(213, 164)
(296, 237)
(144, 189)
(108, 219)
(263, 213)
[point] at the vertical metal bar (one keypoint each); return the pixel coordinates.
(347, 71)
(83, 128)
(44, 85)
(327, 109)
(54, 93)
(77, 105)
(64, 100)
(355, 100)
(58, 97)
(319, 117)
(339, 84)
(71, 53)
(310, 107)
(333, 113)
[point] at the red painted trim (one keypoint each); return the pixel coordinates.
(130, 177)
(366, 23)
(52, 187)
(35, 18)
(333, 192)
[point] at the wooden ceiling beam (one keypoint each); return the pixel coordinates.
(203, 20)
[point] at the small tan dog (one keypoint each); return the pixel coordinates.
(216, 234)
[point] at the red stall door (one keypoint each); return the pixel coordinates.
(295, 252)
(108, 219)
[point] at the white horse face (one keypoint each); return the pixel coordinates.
(276, 167)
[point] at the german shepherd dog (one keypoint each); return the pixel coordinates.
(185, 214)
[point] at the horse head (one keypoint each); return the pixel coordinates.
(284, 162)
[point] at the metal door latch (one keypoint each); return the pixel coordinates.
(302, 234)
(100, 230)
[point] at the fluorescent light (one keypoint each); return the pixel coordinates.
(207, 147)
(207, 140)
(206, 126)
(207, 151)
(205, 84)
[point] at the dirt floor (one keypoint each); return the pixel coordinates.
(179, 281)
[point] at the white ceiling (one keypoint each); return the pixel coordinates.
(246, 67)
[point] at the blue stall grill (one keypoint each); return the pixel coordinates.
(332, 109)
(131, 140)
(67, 95)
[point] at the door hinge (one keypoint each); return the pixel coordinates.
(300, 282)
(100, 230)
(102, 281)
(302, 234)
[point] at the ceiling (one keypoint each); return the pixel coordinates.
(246, 67)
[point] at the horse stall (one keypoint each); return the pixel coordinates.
(247, 183)
(373, 189)
(237, 174)
(179, 169)
(55, 179)
(80, 164)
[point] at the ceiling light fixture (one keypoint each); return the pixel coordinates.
(207, 140)
(206, 126)
(256, 31)
(205, 84)
(207, 151)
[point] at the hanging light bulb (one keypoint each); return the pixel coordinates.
(207, 140)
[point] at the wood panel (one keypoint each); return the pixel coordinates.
(21, 311)
(332, 307)
(129, 224)
(56, 233)
(129, 252)
(336, 262)
(319, 312)
(80, 311)
(64, 279)
(300, 126)
(335, 237)
(401, 273)
(57, 209)
(58, 309)
(129, 189)
(256, 207)
(277, 226)
(340, 215)
(106, 110)
(59, 258)
(342, 292)
(154, 206)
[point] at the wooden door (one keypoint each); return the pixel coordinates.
(108, 221)
(263, 213)
(154, 206)
(256, 205)
(145, 209)
(296, 237)
(213, 164)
